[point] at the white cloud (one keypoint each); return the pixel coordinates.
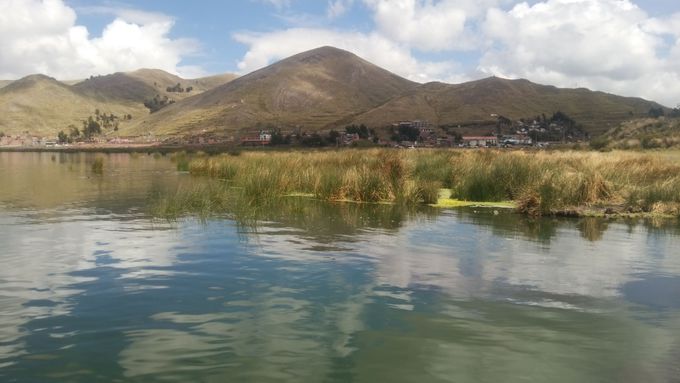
(277, 3)
(401, 27)
(266, 48)
(609, 45)
(428, 25)
(43, 37)
(132, 15)
(337, 8)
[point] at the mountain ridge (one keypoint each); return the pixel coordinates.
(320, 89)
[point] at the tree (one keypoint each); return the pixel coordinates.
(91, 127)
(333, 137)
(675, 113)
(313, 140)
(177, 88)
(655, 112)
(409, 133)
(62, 137)
(74, 133)
(157, 103)
(279, 139)
(361, 130)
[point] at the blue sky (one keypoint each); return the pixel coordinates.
(628, 47)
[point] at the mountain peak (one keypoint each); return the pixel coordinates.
(31, 81)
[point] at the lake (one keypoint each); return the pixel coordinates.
(94, 289)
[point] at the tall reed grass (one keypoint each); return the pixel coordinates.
(539, 182)
(98, 166)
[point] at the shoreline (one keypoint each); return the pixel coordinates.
(141, 148)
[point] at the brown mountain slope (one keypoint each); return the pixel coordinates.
(4, 83)
(310, 90)
(475, 101)
(43, 106)
(144, 84)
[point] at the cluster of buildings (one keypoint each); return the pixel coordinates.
(428, 136)
(24, 140)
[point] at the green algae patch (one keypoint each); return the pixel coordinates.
(445, 201)
(452, 203)
(300, 195)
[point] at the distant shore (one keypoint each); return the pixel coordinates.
(126, 148)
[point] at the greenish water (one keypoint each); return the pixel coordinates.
(92, 289)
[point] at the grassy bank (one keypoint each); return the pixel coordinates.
(537, 183)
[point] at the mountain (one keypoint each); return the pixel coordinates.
(144, 84)
(43, 106)
(311, 90)
(4, 83)
(476, 101)
(315, 90)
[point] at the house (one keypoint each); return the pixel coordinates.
(480, 141)
(264, 138)
(516, 139)
(444, 141)
(349, 138)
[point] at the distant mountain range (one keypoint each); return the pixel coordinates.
(316, 90)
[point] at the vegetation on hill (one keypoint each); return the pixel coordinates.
(43, 106)
(157, 103)
(648, 133)
(93, 126)
(177, 88)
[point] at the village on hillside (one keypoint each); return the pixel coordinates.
(538, 131)
(503, 132)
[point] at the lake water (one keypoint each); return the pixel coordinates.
(92, 289)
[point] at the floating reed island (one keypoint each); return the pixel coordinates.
(535, 183)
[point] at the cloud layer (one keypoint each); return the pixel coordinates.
(43, 37)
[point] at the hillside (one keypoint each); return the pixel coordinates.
(144, 84)
(444, 104)
(315, 90)
(645, 133)
(311, 90)
(43, 106)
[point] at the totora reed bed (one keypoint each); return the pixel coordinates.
(535, 183)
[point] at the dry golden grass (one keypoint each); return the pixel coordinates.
(540, 182)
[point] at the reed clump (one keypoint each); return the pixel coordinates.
(98, 166)
(538, 182)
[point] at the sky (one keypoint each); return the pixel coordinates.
(626, 47)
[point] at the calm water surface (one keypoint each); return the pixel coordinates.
(92, 289)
